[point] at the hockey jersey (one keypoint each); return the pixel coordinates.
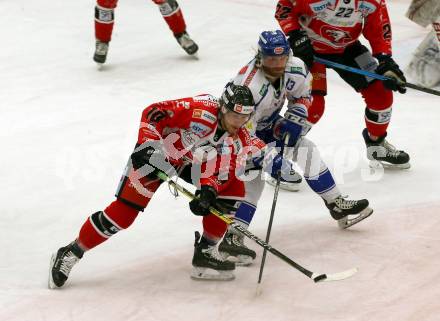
(189, 133)
(269, 99)
(332, 25)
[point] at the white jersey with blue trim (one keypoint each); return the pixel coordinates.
(294, 85)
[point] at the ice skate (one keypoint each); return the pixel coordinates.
(101, 51)
(62, 263)
(382, 153)
(233, 249)
(187, 43)
(208, 264)
(348, 212)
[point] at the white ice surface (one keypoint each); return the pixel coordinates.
(67, 130)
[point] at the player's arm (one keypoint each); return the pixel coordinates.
(149, 149)
(377, 30)
(298, 93)
(288, 14)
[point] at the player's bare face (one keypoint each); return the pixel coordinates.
(274, 65)
(232, 121)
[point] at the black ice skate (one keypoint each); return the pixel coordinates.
(292, 186)
(233, 249)
(187, 43)
(62, 263)
(348, 212)
(208, 264)
(100, 52)
(381, 152)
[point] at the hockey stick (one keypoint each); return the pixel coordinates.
(272, 213)
(373, 75)
(314, 276)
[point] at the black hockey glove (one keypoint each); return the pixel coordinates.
(301, 46)
(151, 153)
(389, 68)
(207, 196)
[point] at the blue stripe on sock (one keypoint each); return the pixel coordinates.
(245, 213)
(323, 183)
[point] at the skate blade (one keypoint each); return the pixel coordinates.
(207, 274)
(375, 164)
(346, 222)
(290, 187)
(100, 66)
(195, 55)
(50, 283)
(239, 260)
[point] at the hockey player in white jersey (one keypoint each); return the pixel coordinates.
(424, 67)
(273, 77)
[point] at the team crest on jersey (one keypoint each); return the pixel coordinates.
(336, 35)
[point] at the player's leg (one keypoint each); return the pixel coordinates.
(243, 208)
(317, 175)
(378, 111)
(207, 263)
(173, 16)
(104, 21)
(132, 196)
(319, 91)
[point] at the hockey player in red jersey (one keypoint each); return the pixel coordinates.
(198, 139)
(331, 29)
(104, 20)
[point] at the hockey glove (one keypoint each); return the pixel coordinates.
(284, 168)
(151, 154)
(301, 46)
(207, 196)
(294, 123)
(389, 68)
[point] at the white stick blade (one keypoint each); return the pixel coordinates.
(336, 276)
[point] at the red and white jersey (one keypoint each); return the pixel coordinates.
(294, 86)
(332, 25)
(188, 130)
